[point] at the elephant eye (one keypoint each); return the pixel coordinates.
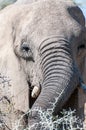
(81, 50)
(82, 46)
(26, 52)
(25, 48)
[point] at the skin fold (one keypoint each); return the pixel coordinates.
(42, 44)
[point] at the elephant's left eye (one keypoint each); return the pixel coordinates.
(81, 49)
(82, 46)
(26, 52)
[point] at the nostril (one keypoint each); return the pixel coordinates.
(25, 47)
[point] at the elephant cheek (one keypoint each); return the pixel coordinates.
(20, 95)
(17, 88)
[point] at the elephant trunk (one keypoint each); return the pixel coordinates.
(60, 76)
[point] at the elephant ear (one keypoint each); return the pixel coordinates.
(81, 58)
(82, 86)
(84, 71)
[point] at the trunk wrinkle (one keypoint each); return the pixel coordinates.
(54, 54)
(55, 48)
(46, 42)
(56, 60)
(56, 68)
(55, 63)
(51, 56)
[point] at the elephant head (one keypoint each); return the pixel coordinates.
(48, 47)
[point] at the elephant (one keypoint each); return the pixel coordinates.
(42, 45)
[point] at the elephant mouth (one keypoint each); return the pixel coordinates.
(34, 92)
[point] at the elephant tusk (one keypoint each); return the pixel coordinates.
(35, 92)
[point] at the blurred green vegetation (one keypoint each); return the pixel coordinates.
(4, 3)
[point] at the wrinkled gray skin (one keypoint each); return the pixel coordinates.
(49, 41)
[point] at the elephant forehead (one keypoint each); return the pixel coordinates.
(50, 18)
(47, 15)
